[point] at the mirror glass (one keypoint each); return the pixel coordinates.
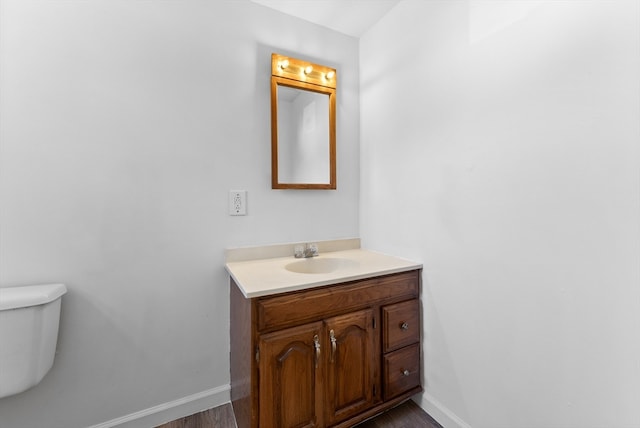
(303, 136)
(303, 130)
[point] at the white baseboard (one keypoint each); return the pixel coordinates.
(172, 410)
(215, 397)
(439, 412)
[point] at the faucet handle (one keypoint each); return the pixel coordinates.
(298, 251)
(312, 249)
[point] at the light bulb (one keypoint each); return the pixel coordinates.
(330, 75)
(308, 69)
(284, 64)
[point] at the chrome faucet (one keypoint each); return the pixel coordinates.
(306, 251)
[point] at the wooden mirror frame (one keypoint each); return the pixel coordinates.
(290, 72)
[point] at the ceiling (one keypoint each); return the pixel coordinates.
(351, 17)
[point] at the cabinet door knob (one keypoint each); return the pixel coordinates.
(405, 372)
(404, 326)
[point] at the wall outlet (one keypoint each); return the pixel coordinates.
(237, 202)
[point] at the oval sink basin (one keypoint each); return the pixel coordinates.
(314, 265)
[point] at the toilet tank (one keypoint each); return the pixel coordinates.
(29, 319)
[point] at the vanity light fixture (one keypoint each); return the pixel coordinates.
(303, 71)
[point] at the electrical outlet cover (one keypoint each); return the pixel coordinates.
(237, 202)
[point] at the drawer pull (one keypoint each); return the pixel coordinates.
(406, 372)
(404, 326)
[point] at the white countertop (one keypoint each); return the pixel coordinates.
(263, 277)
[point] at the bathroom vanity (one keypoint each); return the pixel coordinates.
(329, 345)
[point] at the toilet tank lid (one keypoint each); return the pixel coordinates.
(30, 295)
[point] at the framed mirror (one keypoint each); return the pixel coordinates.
(303, 124)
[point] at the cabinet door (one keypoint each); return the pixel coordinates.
(352, 365)
(290, 381)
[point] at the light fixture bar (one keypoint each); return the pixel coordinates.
(297, 69)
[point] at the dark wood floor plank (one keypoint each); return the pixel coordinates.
(219, 417)
(406, 415)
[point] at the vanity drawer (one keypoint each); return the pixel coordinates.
(401, 323)
(295, 308)
(401, 371)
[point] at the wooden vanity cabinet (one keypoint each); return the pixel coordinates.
(325, 357)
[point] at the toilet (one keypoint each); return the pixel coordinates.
(29, 318)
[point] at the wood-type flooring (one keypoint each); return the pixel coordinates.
(406, 415)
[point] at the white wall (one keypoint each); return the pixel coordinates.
(501, 147)
(124, 125)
